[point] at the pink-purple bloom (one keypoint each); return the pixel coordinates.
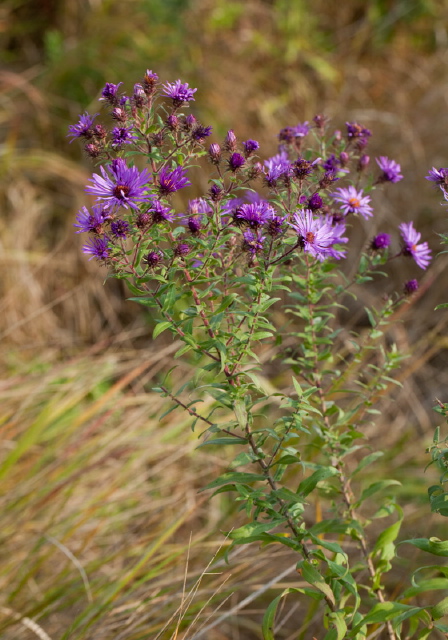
(110, 93)
(178, 91)
(97, 247)
(250, 146)
(160, 212)
(84, 127)
(276, 167)
(253, 242)
(120, 185)
(390, 168)
(420, 252)
(119, 228)
(353, 201)
(123, 135)
(254, 215)
(410, 287)
(438, 176)
(316, 235)
(171, 181)
(94, 221)
(236, 161)
(380, 241)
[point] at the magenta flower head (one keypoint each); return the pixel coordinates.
(122, 135)
(420, 252)
(438, 176)
(200, 133)
(236, 161)
(172, 181)
(357, 131)
(84, 127)
(410, 287)
(92, 222)
(160, 213)
(97, 248)
(276, 167)
(250, 146)
(178, 92)
(253, 242)
(110, 93)
(390, 168)
(149, 82)
(120, 185)
(381, 241)
(316, 236)
(119, 228)
(353, 201)
(254, 215)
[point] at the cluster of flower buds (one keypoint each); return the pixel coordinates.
(260, 212)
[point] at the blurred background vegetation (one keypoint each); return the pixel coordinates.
(99, 498)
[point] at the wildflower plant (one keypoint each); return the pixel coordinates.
(256, 261)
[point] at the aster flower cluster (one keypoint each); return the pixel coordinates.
(298, 203)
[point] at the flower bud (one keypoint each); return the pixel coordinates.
(214, 152)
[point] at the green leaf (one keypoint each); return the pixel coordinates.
(253, 529)
(440, 610)
(431, 545)
(373, 457)
(159, 328)
(382, 612)
(267, 626)
(313, 577)
(222, 441)
(233, 477)
(375, 487)
(307, 485)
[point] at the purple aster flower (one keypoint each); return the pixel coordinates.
(236, 161)
(315, 202)
(123, 135)
(120, 185)
(316, 236)
(181, 250)
(410, 287)
(160, 213)
(198, 205)
(302, 168)
(331, 163)
(92, 222)
(153, 258)
(301, 130)
(97, 248)
(179, 92)
(139, 96)
(353, 201)
(253, 242)
(390, 168)
(110, 93)
(214, 152)
(338, 228)
(355, 130)
(84, 127)
(277, 166)
(381, 241)
(189, 122)
(254, 215)
(275, 225)
(230, 141)
(171, 181)
(149, 82)
(119, 228)
(420, 252)
(216, 193)
(200, 133)
(250, 146)
(438, 176)
(327, 179)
